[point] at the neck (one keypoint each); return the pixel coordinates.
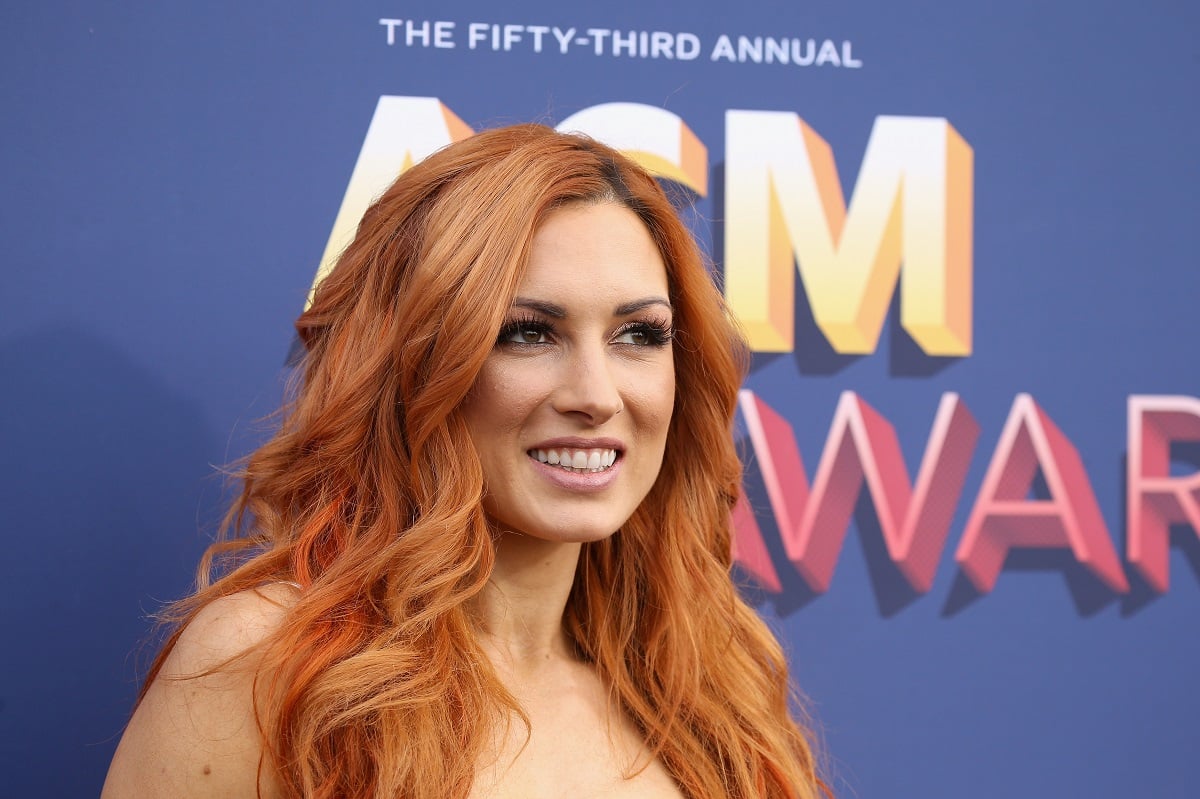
(520, 610)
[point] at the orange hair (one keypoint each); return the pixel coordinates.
(369, 497)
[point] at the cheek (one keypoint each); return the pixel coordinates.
(656, 401)
(502, 398)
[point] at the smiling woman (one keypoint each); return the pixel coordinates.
(569, 414)
(487, 553)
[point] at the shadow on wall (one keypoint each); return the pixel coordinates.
(103, 474)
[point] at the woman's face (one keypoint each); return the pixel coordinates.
(570, 412)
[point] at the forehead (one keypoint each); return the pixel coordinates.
(593, 251)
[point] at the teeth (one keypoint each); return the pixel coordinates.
(577, 460)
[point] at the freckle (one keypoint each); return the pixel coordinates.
(207, 769)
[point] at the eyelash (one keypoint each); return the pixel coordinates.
(519, 324)
(658, 332)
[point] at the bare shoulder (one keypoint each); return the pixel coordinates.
(229, 627)
(195, 733)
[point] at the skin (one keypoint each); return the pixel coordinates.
(582, 364)
(195, 737)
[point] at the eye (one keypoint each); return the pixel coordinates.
(648, 333)
(638, 335)
(524, 332)
(527, 334)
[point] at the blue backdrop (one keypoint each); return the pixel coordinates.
(171, 174)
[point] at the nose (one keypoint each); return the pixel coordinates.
(587, 387)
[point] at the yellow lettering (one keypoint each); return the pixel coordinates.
(912, 202)
(403, 131)
(654, 137)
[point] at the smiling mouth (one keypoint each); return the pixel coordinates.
(579, 461)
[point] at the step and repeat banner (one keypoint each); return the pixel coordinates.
(962, 240)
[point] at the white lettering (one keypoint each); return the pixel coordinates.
(512, 35)
(807, 58)
(849, 60)
(391, 28)
(661, 44)
(687, 46)
(777, 50)
(564, 38)
(828, 54)
(723, 49)
(476, 33)
(682, 46)
(421, 33)
(619, 44)
(750, 49)
(599, 35)
(538, 32)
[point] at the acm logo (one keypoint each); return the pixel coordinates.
(784, 213)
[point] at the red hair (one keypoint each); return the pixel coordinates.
(369, 497)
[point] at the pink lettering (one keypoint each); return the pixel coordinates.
(1003, 518)
(1155, 499)
(749, 549)
(862, 447)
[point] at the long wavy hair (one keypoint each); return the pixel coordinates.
(369, 497)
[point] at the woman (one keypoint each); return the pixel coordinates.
(487, 553)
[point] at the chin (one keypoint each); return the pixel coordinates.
(570, 529)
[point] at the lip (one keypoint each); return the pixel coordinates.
(576, 442)
(579, 482)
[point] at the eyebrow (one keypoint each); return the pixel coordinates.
(624, 309)
(558, 312)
